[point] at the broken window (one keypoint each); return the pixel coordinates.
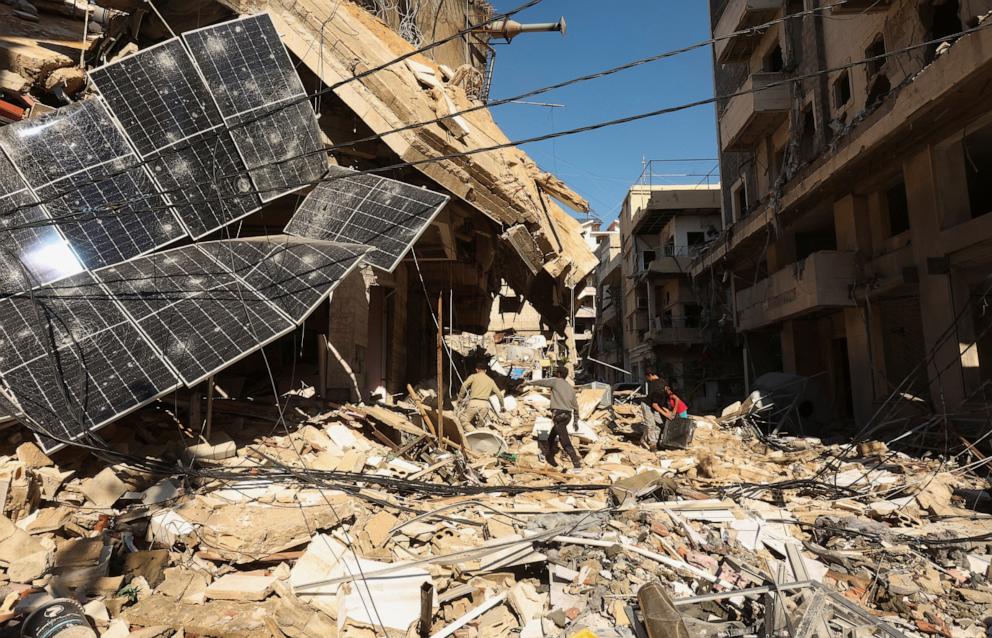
(842, 90)
(807, 137)
(946, 19)
(978, 169)
(774, 62)
(875, 55)
(898, 208)
(740, 200)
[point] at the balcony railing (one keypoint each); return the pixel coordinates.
(676, 330)
(757, 113)
(820, 281)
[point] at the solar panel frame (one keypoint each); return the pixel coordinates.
(335, 208)
(256, 260)
(189, 274)
(254, 83)
(61, 353)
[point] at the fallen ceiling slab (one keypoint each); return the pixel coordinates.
(503, 184)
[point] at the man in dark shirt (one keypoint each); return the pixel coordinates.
(654, 409)
(564, 406)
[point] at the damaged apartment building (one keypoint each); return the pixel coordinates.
(856, 158)
(501, 220)
(669, 321)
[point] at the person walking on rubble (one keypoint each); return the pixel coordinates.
(655, 408)
(479, 387)
(564, 407)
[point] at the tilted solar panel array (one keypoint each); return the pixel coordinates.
(82, 352)
(183, 138)
(367, 209)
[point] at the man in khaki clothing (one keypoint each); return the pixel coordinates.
(478, 387)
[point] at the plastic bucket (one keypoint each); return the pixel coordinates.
(61, 617)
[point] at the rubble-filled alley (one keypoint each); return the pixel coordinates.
(296, 341)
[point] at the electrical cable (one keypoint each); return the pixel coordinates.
(490, 104)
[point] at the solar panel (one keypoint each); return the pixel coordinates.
(64, 142)
(73, 361)
(366, 209)
(61, 154)
(111, 213)
(158, 96)
(191, 177)
(260, 96)
(295, 274)
(282, 149)
(198, 314)
(32, 251)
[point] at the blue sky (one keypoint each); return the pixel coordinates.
(601, 165)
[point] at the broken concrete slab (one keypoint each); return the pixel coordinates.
(243, 587)
(104, 489)
(31, 455)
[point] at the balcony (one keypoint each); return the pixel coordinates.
(737, 16)
(675, 331)
(752, 116)
(819, 282)
(675, 260)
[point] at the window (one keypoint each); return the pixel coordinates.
(646, 258)
(875, 50)
(740, 202)
(695, 239)
(778, 163)
(842, 90)
(773, 62)
(978, 169)
(807, 139)
(898, 205)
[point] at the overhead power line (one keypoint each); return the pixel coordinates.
(491, 104)
(89, 213)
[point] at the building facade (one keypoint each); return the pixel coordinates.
(667, 322)
(856, 154)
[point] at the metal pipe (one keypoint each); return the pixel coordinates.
(509, 29)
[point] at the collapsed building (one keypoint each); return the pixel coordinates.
(378, 333)
(855, 160)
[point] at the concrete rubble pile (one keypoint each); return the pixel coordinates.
(341, 521)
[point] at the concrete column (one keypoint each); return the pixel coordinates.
(852, 224)
(652, 304)
(858, 356)
(937, 302)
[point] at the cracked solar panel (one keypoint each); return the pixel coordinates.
(64, 142)
(158, 96)
(206, 182)
(197, 313)
(295, 274)
(32, 250)
(366, 209)
(263, 102)
(87, 176)
(111, 213)
(73, 361)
